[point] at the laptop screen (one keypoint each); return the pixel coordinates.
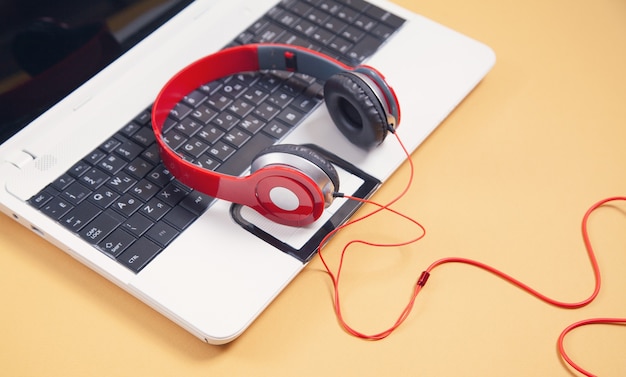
(49, 48)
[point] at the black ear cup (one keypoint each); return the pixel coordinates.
(356, 109)
(304, 159)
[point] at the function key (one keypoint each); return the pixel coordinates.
(162, 234)
(143, 118)
(384, 16)
(130, 129)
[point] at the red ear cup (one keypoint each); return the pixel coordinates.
(357, 110)
(305, 160)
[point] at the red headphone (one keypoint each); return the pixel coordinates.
(288, 184)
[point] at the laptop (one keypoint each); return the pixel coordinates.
(79, 167)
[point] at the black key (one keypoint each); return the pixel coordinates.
(160, 175)
(78, 217)
(194, 147)
(276, 130)
(62, 182)
(172, 194)
(144, 137)
(194, 98)
(211, 87)
(139, 167)
(322, 36)
(341, 45)
(110, 145)
(382, 15)
(269, 82)
(317, 16)
(179, 218)
(126, 205)
(143, 118)
(197, 202)
(225, 120)
(174, 139)
(210, 134)
(95, 156)
(366, 47)
(137, 224)
(130, 129)
(121, 182)
(299, 7)
(139, 254)
(155, 209)
(281, 98)
(188, 127)
(116, 242)
(129, 150)
(144, 190)
(240, 108)
(236, 137)
(219, 101)
(207, 162)
(233, 88)
(255, 95)
(266, 111)
(204, 114)
(151, 154)
(111, 164)
(352, 34)
(42, 198)
(270, 33)
(103, 197)
(162, 234)
(78, 169)
(75, 193)
(305, 103)
(347, 14)
(94, 178)
(180, 111)
(56, 208)
(251, 124)
(221, 151)
(365, 23)
(236, 166)
(100, 227)
(290, 117)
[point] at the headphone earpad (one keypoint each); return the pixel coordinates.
(355, 109)
(306, 153)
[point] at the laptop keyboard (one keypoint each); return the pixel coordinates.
(122, 200)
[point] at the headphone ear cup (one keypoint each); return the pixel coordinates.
(356, 109)
(304, 159)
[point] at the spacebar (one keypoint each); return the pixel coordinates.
(241, 160)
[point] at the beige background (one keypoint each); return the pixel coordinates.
(505, 179)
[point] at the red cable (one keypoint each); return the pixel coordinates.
(335, 277)
(591, 321)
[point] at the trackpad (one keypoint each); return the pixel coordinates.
(302, 242)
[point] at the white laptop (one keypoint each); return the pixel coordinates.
(78, 168)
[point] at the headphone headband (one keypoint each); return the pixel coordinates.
(253, 190)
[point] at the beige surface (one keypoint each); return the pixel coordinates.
(506, 179)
